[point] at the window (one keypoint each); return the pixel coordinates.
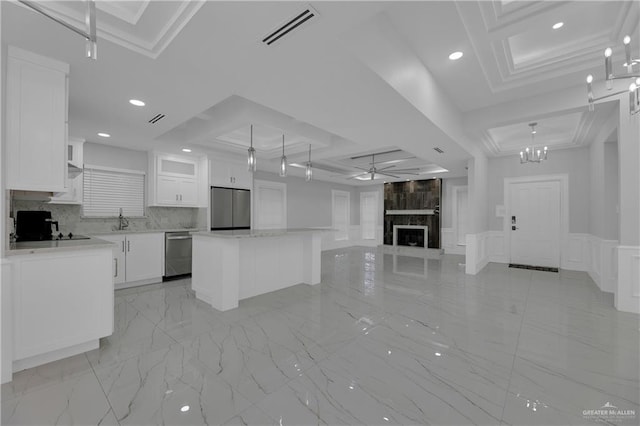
(340, 213)
(106, 191)
(368, 215)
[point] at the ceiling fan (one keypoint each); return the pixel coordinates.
(373, 170)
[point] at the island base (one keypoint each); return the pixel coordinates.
(226, 270)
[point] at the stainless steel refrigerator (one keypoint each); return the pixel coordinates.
(230, 208)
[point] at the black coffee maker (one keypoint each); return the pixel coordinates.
(34, 225)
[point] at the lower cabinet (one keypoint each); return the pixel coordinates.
(61, 301)
(137, 257)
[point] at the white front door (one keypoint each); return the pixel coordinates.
(534, 223)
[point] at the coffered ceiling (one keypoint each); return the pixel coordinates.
(358, 78)
(146, 27)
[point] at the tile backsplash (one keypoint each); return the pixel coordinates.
(70, 220)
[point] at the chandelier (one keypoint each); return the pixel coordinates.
(531, 154)
(634, 87)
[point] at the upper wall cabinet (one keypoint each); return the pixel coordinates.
(73, 194)
(230, 174)
(36, 122)
(176, 181)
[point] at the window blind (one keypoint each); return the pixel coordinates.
(106, 191)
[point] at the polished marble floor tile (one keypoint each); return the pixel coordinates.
(384, 339)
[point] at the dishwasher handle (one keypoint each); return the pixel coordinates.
(180, 237)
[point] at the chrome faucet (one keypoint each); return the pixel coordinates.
(123, 221)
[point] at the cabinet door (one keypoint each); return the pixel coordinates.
(168, 190)
(119, 259)
(144, 256)
(188, 192)
(36, 103)
(241, 176)
(177, 166)
(56, 306)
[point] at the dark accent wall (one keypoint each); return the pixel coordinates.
(413, 195)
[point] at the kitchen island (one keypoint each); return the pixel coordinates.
(229, 266)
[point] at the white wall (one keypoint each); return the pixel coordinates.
(574, 162)
(309, 203)
(109, 156)
(612, 192)
(479, 185)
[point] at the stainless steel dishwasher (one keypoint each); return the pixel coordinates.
(177, 254)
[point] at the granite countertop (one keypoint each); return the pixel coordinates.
(145, 231)
(36, 247)
(259, 233)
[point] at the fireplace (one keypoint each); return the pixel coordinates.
(410, 236)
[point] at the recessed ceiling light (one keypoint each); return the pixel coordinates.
(186, 150)
(104, 135)
(455, 56)
(136, 102)
(557, 25)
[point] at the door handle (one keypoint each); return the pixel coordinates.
(183, 237)
(128, 245)
(180, 197)
(513, 228)
(176, 197)
(116, 260)
(123, 246)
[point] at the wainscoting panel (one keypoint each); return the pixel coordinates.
(448, 242)
(609, 265)
(575, 253)
(476, 252)
(627, 295)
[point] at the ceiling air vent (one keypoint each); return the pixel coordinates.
(156, 118)
(290, 25)
(438, 150)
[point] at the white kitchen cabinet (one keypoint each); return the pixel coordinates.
(144, 257)
(176, 181)
(36, 122)
(119, 258)
(177, 191)
(230, 174)
(137, 257)
(62, 304)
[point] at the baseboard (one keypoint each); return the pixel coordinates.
(34, 361)
(128, 284)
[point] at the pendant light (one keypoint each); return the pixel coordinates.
(308, 172)
(283, 161)
(251, 159)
